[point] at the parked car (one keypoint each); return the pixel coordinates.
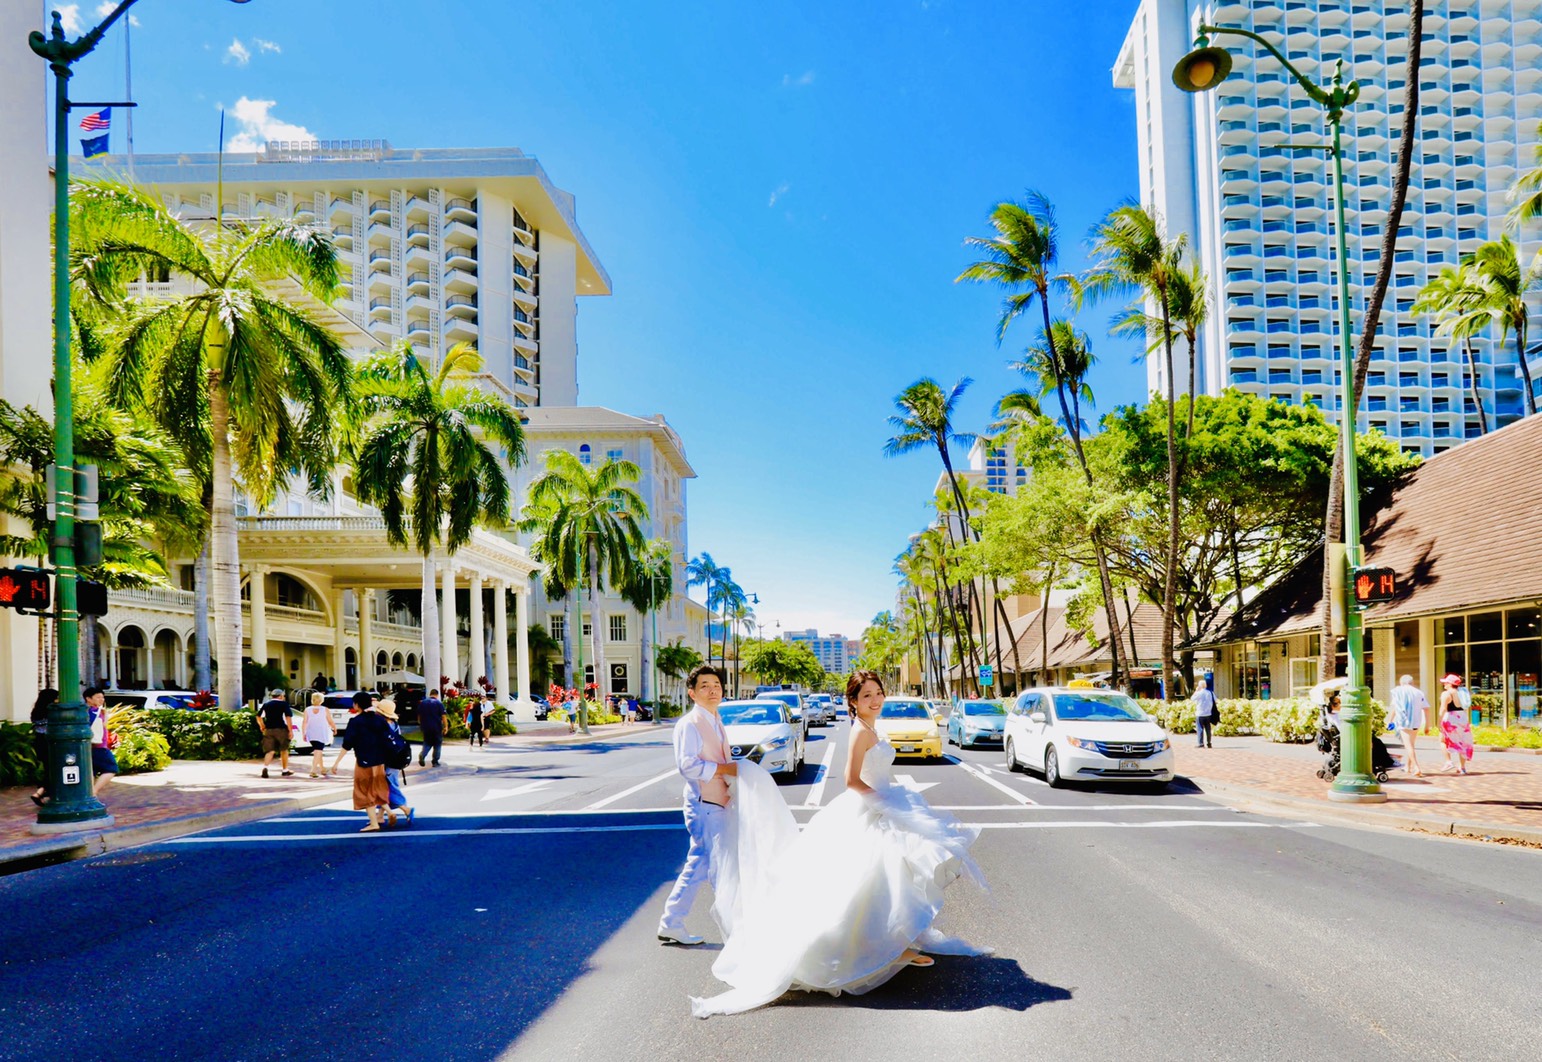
(542, 707)
(794, 702)
(974, 721)
(908, 725)
(179, 699)
(338, 705)
(1086, 735)
(764, 732)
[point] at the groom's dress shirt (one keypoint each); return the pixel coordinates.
(693, 760)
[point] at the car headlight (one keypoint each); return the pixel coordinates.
(1082, 743)
(775, 743)
(1163, 744)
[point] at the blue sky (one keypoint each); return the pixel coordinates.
(779, 192)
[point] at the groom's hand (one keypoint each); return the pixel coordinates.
(728, 770)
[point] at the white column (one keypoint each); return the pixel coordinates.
(150, 663)
(257, 581)
(450, 649)
(477, 649)
(366, 600)
(524, 707)
(501, 643)
(339, 640)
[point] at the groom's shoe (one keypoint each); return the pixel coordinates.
(678, 936)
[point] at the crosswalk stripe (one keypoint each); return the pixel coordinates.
(816, 793)
(628, 792)
(1021, 798)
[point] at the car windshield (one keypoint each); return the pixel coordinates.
(984, 708)
(903, 710)
(1098, 708)
(750, 714)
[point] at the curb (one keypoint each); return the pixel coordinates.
(1345, 813)
(88, 843)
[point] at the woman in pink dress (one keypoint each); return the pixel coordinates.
(1455, 724)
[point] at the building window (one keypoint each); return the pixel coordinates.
(618, 628)
(585, 455)
(618, 678)
(614, 455)
(1500, 655)
(588, 629)
(559, 626)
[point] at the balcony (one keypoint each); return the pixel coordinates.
(380, 210)
(418, 254)
(461, 330)
(460, 233)
(525, 254)
(525, 301)
(525, 343)
(419, 331)
(417, 282)
(339, 205)
(461, 209)
(461, 306)
(463, 281)
(458, 257)
(380, 308)
(417, 235)
(417, 205)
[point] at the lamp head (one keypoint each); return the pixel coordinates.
(1202, 69)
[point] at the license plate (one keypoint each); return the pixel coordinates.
(1129, 765)
(907, 748)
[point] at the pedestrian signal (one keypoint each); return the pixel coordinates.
(25, 589)
(1374, 585)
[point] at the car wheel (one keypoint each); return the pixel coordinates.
(1013, 763)
(1052, 769)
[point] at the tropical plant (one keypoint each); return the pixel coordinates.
(777, 662)
(542, 648)
(427, 457)
(883, 647)
(247, 380)
(1455, 300)
(1022, 259)
(728, 597)
(588, 532)
(701, 570)
(651, 585)
(1497, 269)
(1134, 255)
(675, 661)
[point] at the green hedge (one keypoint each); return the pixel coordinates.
(1288, 720)
(142, 750)
(211, 734)
(1514, 738)
(18, 766)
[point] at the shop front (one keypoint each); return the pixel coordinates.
(1499, 654)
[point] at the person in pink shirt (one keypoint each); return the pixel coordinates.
(1455, 723)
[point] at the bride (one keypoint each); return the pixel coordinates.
(849, 902)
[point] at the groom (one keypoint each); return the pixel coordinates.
(701, 757)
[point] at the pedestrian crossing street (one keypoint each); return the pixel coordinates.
(630, 786)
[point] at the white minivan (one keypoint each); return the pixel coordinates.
(1085, 735)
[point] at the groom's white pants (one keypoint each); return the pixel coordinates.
(705, 823)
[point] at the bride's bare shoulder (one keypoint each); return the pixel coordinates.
(862, 739)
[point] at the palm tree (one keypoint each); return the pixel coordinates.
(703, 571)
(1454, 299)
(1021, 258)
(651, 585)
(741, 616)
(675, 661)
(248, 382)
(427, 458)
(1526, 194)
(1134, 255)
(588, 531)
(728, 596)
(1497, 269)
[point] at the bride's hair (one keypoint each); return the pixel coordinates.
(855, 683)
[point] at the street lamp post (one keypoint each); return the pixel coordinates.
(1201, 70)
(72, 805)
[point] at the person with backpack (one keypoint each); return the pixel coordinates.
(398, 756)
(368, 737)
(1456, 723)
(474, 721)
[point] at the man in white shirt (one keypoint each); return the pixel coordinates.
(1409, 713)
(701, 757)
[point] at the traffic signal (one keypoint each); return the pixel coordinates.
(90, 598)
(25, 589)
(1374, 585)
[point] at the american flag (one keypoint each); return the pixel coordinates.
(97, 121)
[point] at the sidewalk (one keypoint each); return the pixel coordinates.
(194, 795)
(1499, 799)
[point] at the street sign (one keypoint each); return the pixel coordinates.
(987, 675)
(24, 589)
(1374, 585)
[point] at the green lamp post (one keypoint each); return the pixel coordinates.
(72, 805)
(1200, 71)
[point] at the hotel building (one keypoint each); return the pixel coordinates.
(832, 650)
(1259, 214)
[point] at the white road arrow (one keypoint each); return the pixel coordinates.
(910, 783)
(528, 787)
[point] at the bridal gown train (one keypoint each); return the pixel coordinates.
(831, 909)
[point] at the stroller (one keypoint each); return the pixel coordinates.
(1327, 741)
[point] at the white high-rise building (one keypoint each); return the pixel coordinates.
(441, 246)
(1260, 214)
(831, 650)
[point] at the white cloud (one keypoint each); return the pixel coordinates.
(266, 46)
(69, 16)
(237, 53)
(780, 190)
(803, 80)
(257, 126)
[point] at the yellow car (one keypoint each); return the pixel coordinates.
(907, 724)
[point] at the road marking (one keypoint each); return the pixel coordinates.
(628, 792)
(816, 793)
(909, 782)
(528, 787)
(1028, 778)
(359, 836)
(1104, 808)
(1053, 824)
(1021, 798)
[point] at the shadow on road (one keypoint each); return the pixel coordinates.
(955, 984)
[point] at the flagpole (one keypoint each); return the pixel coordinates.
(128, 91)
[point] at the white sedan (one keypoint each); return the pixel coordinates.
(1086, 735)
(763, 732)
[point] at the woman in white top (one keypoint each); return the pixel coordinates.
(317, 728)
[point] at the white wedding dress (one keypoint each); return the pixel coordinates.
(831, 909)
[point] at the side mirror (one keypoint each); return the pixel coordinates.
(1036, 717)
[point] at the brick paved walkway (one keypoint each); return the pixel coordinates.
(1501, 788)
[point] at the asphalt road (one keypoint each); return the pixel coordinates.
(516, 920)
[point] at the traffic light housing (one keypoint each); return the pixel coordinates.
(90, 598)
(25, 589)
(1372, 586)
